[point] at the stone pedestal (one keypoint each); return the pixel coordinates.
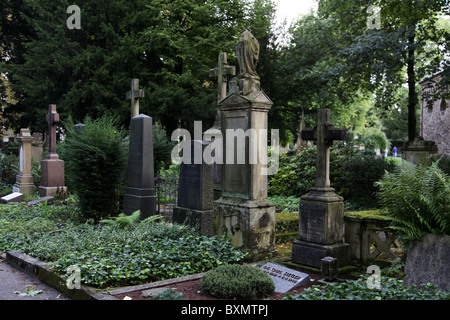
(321, 229)
(52, 176)
(243, 213)
(195, 197)
(140, 190)
(419, 151)
(24, 180)
(248, 224)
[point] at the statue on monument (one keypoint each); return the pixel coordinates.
(247, 53)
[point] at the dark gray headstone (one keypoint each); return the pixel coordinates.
(140, 190)
(196, 194)
(284, 278)
(428, 260)
(196, 183)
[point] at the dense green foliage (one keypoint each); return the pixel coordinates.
(390, 289)
(417, 199)
(170, 46)
(353, 174)
(89, 152)
(237, 282)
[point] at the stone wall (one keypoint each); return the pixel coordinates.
(435, 120)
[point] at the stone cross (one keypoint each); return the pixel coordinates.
(52, 118)
(323, 135)
(222, 73)
(134, 96)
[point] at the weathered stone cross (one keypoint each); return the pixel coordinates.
(52, 118)
(134, 96)
(222, 73)
(323, 135)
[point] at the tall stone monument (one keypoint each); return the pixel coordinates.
(52, 168)
(321, 216)
(243, 213)
(195, 197)
(24, 180)
(140, 190)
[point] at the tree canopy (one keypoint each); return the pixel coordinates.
(332, 59)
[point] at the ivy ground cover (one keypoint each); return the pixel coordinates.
(111, 255)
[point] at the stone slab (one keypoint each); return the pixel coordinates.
(49, 200)
(284, 278)
(428, 260)
(154, 292)
(12, 197)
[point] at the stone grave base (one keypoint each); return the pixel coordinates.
(248, 224)
(24, 184)
(200, 220)
(51, 191)
(311, 254)
(139, 199)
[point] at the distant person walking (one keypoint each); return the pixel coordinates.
(394, 151)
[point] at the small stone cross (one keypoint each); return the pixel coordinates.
(222, 73)
(323, 135)
(134, 96)
(52, 118)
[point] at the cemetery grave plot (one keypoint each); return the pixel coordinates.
(191, 290)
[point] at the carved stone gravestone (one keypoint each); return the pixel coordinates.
(24, 180)
(321, 216)
(195, 197)
(243, 212)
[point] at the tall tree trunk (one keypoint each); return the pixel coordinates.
(412, 94)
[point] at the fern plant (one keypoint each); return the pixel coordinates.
(417, 199)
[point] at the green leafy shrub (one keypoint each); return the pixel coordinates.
(353, 174)
(295, 175)
(9, 166)
(286, 204)
(95, 159)
(417, 199)
(169, 294)
(357, 177)
(162, 147)
(390, 289)
(237, 281)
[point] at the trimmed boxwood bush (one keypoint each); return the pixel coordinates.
(237, 281)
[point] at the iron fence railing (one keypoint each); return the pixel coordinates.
(166, 187)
